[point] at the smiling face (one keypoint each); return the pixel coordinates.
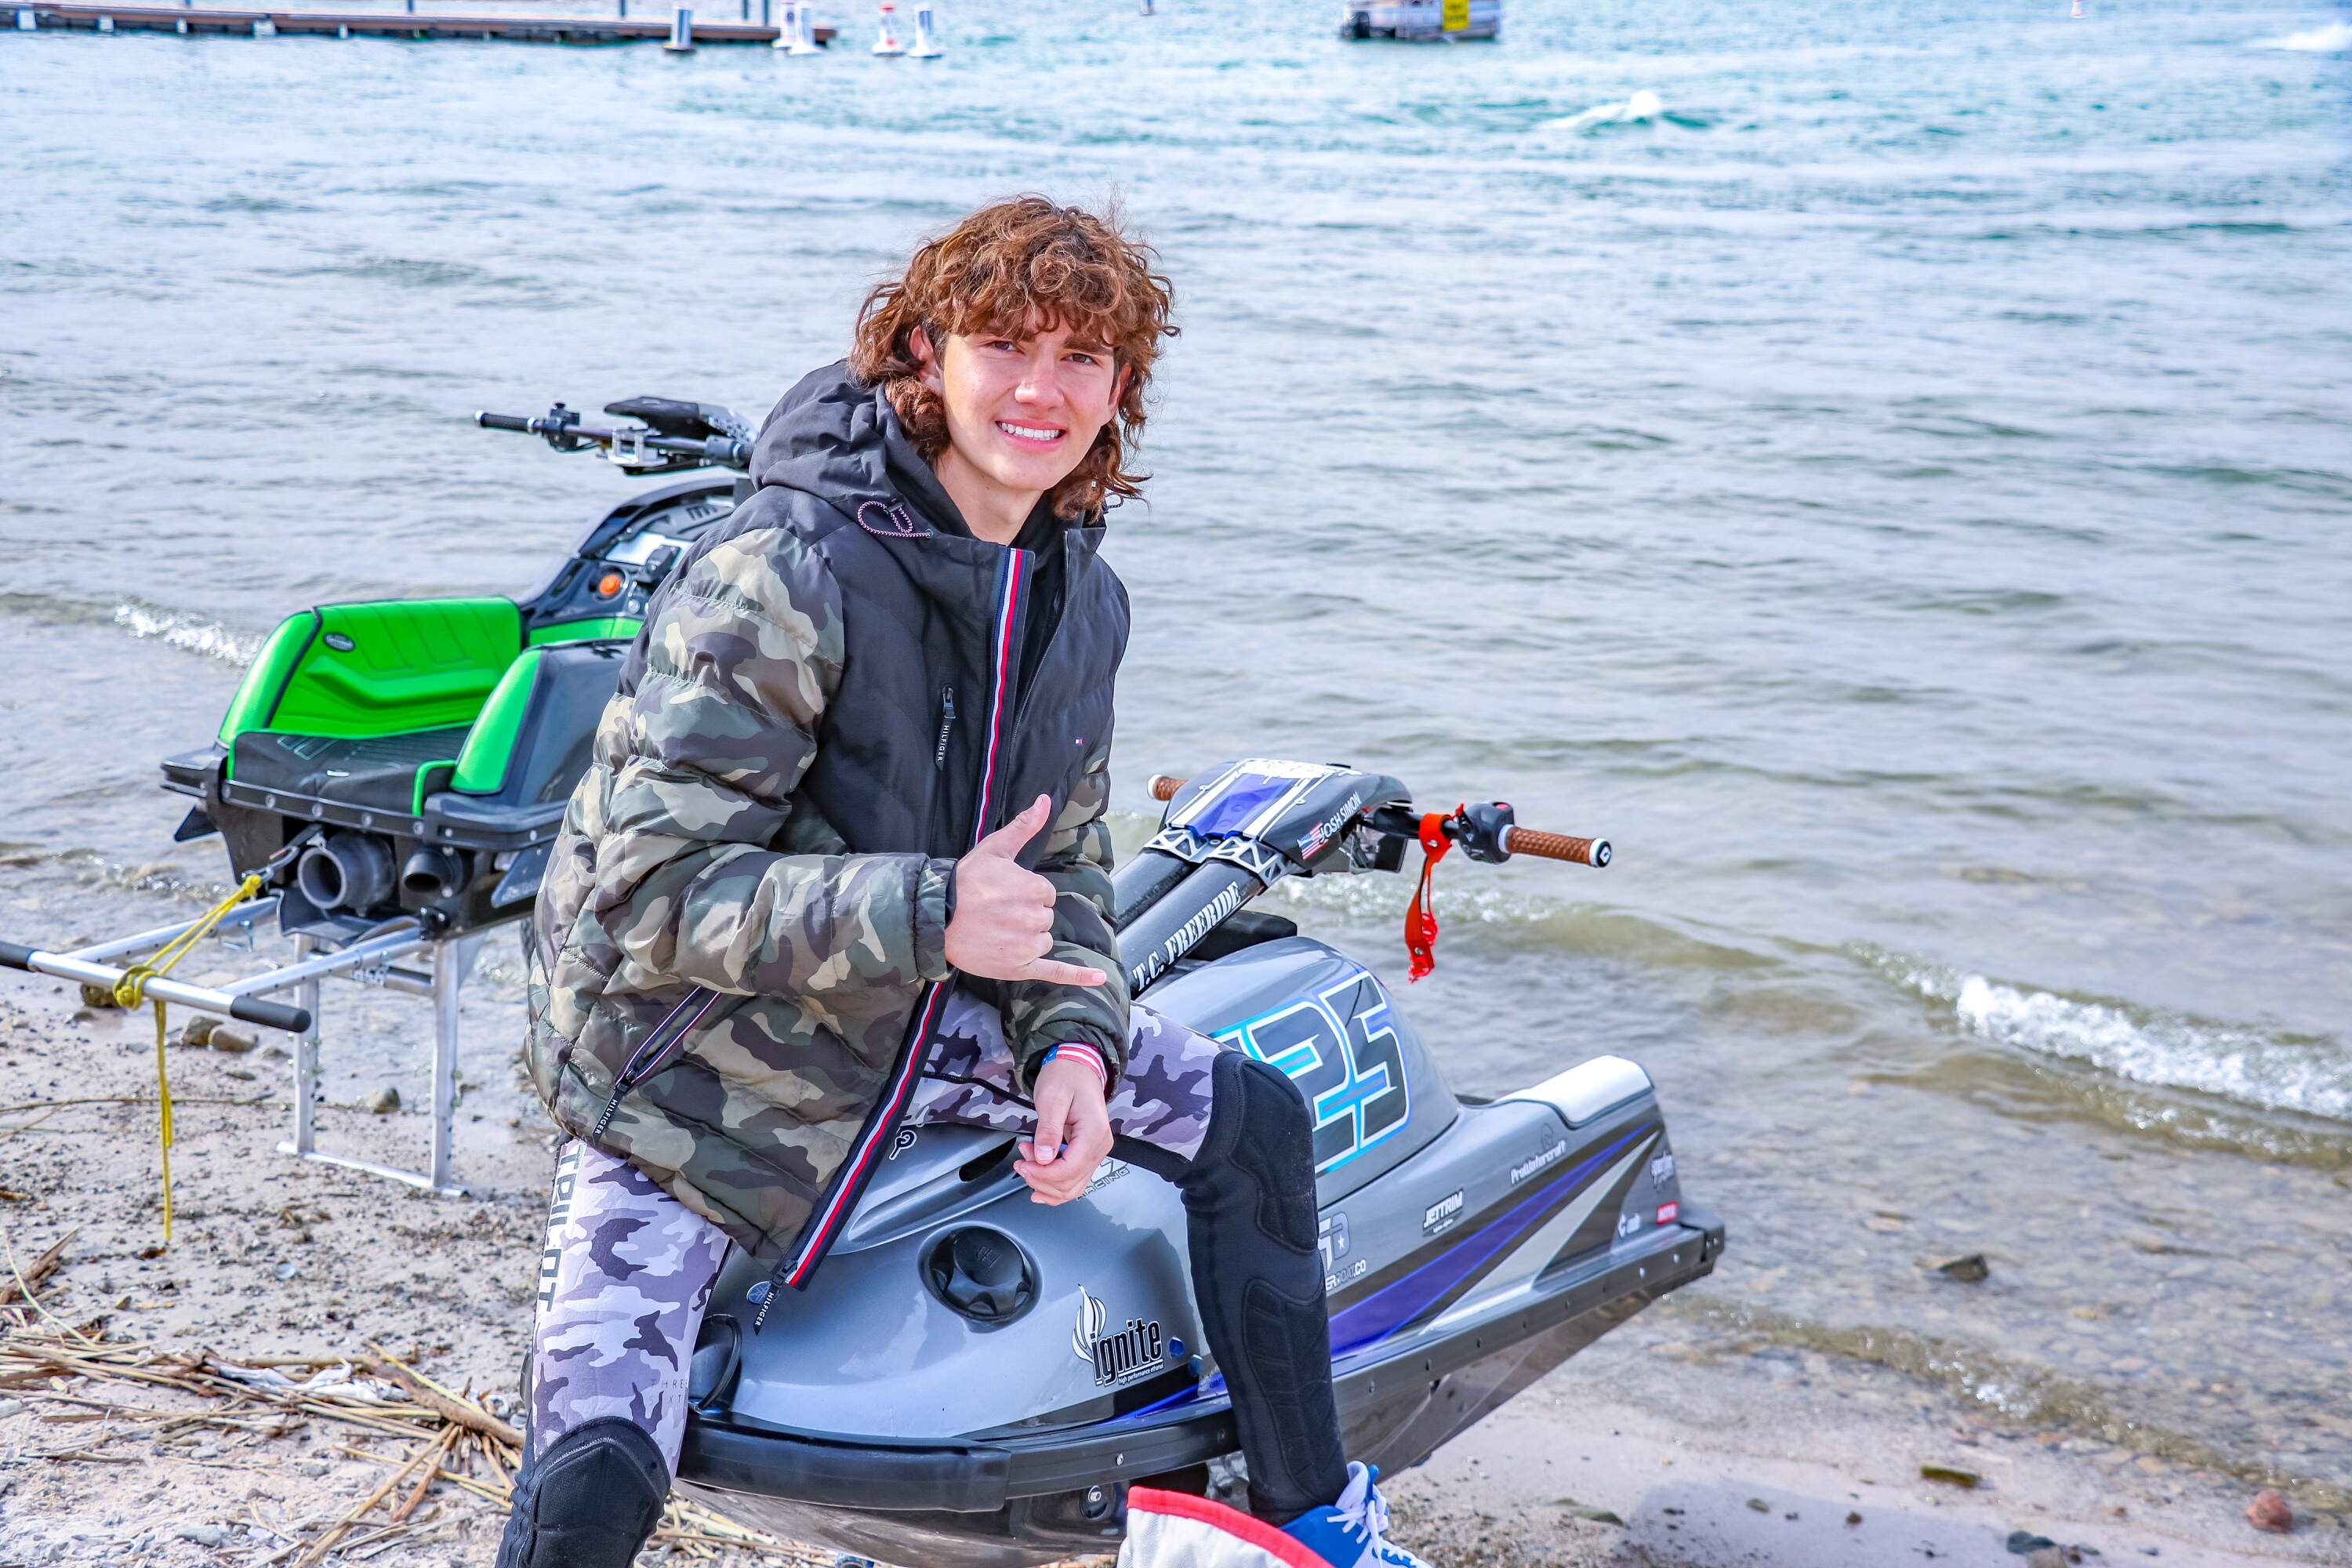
(1022, 413)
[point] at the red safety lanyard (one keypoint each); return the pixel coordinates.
(1421, 915)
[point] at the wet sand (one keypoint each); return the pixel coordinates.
(1711, 1451)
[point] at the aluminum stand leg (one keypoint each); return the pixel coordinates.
(306, 1060)
(452, 961)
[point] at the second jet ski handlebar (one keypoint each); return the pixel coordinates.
(1485, 831)
(635, 446)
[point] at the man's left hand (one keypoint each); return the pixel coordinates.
(1073, 1133)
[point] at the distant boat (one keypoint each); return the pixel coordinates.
(1422, 21)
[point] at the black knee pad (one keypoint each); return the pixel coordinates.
(1270, 1138)
(590, 1502)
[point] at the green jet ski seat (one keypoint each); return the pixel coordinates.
(385, 704)
(440, 725)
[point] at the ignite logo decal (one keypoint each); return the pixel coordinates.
(1669, 1212)
(1116, 1358)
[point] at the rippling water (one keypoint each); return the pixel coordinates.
(1887, 467)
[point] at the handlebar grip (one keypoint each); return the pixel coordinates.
(514, 422)
(16, 956)
(270, 1015)
(1593, 852)
(1163, 786)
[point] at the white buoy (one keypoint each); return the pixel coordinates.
(927, 46)
(263, 27)
(180, 26)
(1146, 9)
(106, 24)
(27, 20)
(793, 37)
(681, 32)
(2078, 10)
(888, 44)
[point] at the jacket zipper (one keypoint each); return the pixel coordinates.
(882, 1125)
(947, 724)
(654, 1053)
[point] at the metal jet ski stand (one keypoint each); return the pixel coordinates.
(371, 959)
(394, 771)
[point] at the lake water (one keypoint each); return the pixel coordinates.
(1893, 480)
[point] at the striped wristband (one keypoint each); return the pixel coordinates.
(1078, 1050)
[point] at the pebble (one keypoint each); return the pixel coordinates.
(387, 1100)
(312, 1467)
(1759, 1505)
(198, 1030)
(1970, 1270)
(284, 1271)
(2021, 1542)
(2269, 1511)
(203, 1534)
(1951, 1475)
(234, 1041)
(9, 1407)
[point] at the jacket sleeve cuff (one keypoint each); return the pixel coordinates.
(931, 919)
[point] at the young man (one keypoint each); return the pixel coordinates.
(839, 866)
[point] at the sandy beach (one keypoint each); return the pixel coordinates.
(1700, 1452)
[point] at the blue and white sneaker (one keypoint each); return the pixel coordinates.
(1354, 1532)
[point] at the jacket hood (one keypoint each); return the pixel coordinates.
(828, 436)
(837, 438)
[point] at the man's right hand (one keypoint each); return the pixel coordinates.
(1004, 924)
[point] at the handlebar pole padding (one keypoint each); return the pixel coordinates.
(1556, 846)
(1163, 786)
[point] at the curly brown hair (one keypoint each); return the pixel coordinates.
(1009, 268)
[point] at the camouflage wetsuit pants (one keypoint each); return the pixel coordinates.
(628, 1268)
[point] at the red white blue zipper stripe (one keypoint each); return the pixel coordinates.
(883, 1124)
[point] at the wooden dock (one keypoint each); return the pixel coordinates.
(548, 29)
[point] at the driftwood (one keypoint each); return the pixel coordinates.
(433, 1397)
(21, 1283)
(437, 1444)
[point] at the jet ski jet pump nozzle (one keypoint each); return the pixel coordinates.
(345, 870)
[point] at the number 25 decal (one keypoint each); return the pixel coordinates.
(1341, 1050)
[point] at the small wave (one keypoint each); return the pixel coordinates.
(2333, 40)
(2143, 1045)
(1644, 107)
(192, 633)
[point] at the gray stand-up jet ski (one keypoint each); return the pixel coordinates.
(973, 1380)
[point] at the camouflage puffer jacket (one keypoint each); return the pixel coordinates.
(738, 950)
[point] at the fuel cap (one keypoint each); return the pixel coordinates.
(981, 1273)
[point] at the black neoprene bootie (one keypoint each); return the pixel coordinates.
(590, 1502)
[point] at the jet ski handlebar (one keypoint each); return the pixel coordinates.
(1488, 831)
(639, 448)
